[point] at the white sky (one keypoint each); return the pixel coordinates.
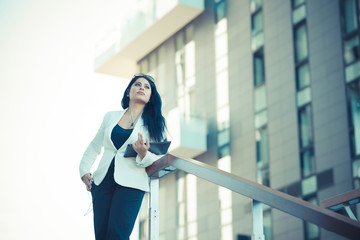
(51, 105)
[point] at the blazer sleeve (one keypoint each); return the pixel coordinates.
(149, 159)
(93, 150)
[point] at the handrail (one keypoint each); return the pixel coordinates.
(321, 217)
(348, 198)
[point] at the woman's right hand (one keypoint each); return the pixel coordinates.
(87, 180)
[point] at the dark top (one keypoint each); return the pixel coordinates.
(119, 135)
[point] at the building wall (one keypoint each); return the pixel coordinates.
(330, 123)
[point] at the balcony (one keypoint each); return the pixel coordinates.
(153, 23)
(188, 135)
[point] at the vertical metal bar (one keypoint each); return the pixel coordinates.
(154, 210)
(350, 212)
(258, 225)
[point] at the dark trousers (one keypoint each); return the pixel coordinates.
(115, 208)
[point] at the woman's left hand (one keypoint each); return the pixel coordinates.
(140, 147)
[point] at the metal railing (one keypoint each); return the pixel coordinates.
(299, 208)
(343, 201)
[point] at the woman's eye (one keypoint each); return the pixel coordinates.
(147, 87)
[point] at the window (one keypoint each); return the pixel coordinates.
(299, 14)
(297, 3)
(301, 47)
(255, 5)
(220, 10)
(303, 96)
(256, 22)
(351, 50)
(259, 67)
(260, 98)
(312, 232)
(267, 220)
(262, 155)
(307, 163)
(186, 213)
(354, 98)
(305, 122)
(263, 176)
(303, 76)
(349, 16)
(356, 173)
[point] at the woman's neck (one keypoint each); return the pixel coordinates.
(136, 109)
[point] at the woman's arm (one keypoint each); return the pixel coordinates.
(93, 150)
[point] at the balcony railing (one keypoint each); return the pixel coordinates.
(188, 134)
(259, 194)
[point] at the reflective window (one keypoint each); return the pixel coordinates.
(260, 119)
(351, 51)
(220, 10)
(354, 92)
(356, 168)
(267, 221)
(257, 41)
(224, 137)
(259, 67)
(263, 176)
(299, 14)
(305, 122)
(186, 211)
(224, 151)
(256, 22)
(312, 231)
(255, 4)
(297, 3)
(303, 96)
(352, 71)
(309, 186)
(303, 76)
(350, 16)
(260, 98)
(262, 153)
(301, 43)
(307, 163)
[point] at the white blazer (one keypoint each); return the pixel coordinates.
(129, 172)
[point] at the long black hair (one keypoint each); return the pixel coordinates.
(152, 116)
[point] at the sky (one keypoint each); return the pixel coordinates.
(51, 105)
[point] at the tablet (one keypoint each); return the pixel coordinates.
(159, 148)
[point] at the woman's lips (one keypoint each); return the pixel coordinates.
(140, 93)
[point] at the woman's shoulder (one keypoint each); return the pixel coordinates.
(116, 113)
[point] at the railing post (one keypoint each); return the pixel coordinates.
(257, 217)
(154, 210)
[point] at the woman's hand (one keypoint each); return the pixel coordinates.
(140, 147)
(87, 179)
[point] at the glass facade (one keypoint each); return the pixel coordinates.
(260, 106)
(351, 34)
(185, 79)
(304, 104)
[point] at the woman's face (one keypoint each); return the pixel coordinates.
(140, 91)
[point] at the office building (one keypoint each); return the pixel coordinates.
(267, 90)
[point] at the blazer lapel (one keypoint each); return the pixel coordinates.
(134, 134)
(114, 120)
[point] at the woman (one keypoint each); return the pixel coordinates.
(118, 185)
